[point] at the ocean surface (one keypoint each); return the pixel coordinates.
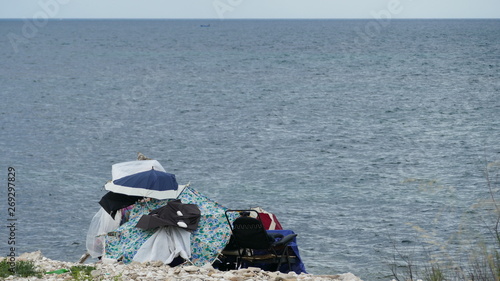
(367, 138)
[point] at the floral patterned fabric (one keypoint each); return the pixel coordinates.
(207, 241)
(213, 232)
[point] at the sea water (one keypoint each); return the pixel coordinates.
(366, 142)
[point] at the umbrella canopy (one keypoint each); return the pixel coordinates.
(112, 202)
(123, 169)
(175, 213)
(152, 183)
(207, 241)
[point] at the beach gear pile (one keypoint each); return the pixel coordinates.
(146, 216)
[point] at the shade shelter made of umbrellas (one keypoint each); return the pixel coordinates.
(207, 241)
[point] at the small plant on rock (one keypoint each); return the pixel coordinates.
(82, 272)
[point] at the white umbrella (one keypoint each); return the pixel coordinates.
(124, 169)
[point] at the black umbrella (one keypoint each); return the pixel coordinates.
(175, 213)
(112, 202)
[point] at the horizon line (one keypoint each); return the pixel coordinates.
(223, 19)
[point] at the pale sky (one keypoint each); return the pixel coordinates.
(237, 9)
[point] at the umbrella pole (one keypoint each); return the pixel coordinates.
(84, 257)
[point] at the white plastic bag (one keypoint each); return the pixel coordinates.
(101, 224)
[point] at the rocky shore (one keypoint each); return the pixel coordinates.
(152, 271)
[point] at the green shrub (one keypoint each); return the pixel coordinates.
(82, 272)
(21, 269)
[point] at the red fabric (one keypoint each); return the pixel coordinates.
(267, 220)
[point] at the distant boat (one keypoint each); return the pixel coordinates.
(204, 25)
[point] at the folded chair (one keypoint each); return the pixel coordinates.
(255, 245)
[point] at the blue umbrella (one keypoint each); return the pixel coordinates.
(152, 183)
